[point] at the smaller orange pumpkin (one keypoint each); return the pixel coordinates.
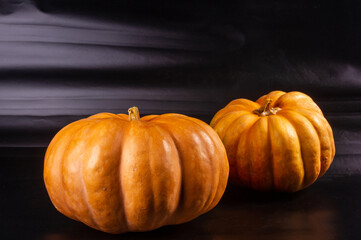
(281, 142)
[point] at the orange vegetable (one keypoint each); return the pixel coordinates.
(281, 142)
(119, 173)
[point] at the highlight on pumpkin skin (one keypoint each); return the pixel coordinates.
(281, 142)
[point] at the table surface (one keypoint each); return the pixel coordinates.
(329, 209)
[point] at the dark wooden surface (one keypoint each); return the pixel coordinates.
(329, 209)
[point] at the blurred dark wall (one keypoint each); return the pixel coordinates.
(62, 60)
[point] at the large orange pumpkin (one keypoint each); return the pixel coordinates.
(119, 173)
(281, 142)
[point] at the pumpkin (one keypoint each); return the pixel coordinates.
(281, 142)
(119, 173)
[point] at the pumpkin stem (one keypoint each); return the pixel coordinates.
(265, 109)
(133, 113)
(266, 106)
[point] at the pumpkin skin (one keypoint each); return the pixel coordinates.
(281, 142)
(117, 173)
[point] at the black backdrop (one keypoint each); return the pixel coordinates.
(62, 60)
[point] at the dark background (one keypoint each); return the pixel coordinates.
(63, 60)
